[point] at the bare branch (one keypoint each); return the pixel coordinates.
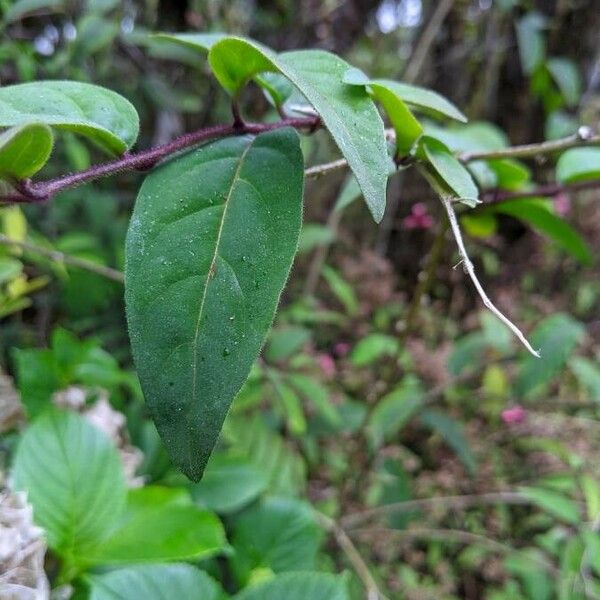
(470, 270)
(61, 257)
(360, 567)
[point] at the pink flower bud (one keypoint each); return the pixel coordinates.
(327, 364)
(516, 414)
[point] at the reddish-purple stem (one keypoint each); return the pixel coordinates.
(28, 192)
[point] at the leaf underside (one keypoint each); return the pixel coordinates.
(209, 248)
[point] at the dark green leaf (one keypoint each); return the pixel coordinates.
(154, 582)
(298, 586)
(24, 150)
(209, 248)
(556, 337)
(229, 483)
(540, 218)
(90, 110)
(279, 533)
(73, 476)
(578, 164)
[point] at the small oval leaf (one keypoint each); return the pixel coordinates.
(209, 248)
(100, 114)
(24, 150)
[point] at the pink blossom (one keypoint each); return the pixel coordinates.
(341, 348)
(516, 414)
(419, 218)
(562, 204)
(327, 364)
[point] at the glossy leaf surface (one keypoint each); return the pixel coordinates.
(100, 114)
(209, 248)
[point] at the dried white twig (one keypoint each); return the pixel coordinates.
(470, 270)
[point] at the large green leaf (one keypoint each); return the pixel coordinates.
(407, 128)
(556, 337)
(209, 247)
(347, 111)
(159, 525)
(229, 483)
(100, 114)
(154, 582)
(73, 477)
(298, 586)
(578, 164)
(279, 533)
(540, 218)
(24, 150)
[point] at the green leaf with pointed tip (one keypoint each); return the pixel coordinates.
(452, 173)
(298, 586)
(24, 150)
(578, 164)
(74, 480)
(154, 582)
(209, 248)
(541, 219)
(100, 114)
(408, 129)
(347, 111)
(417, 97)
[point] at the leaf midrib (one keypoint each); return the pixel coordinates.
(234, 182)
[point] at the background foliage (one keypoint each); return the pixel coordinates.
(387, 414)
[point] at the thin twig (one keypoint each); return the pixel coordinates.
(68, 259)
(470, 270)
(359, 565)
(584, 137)
(445, 502)
(326, 168)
